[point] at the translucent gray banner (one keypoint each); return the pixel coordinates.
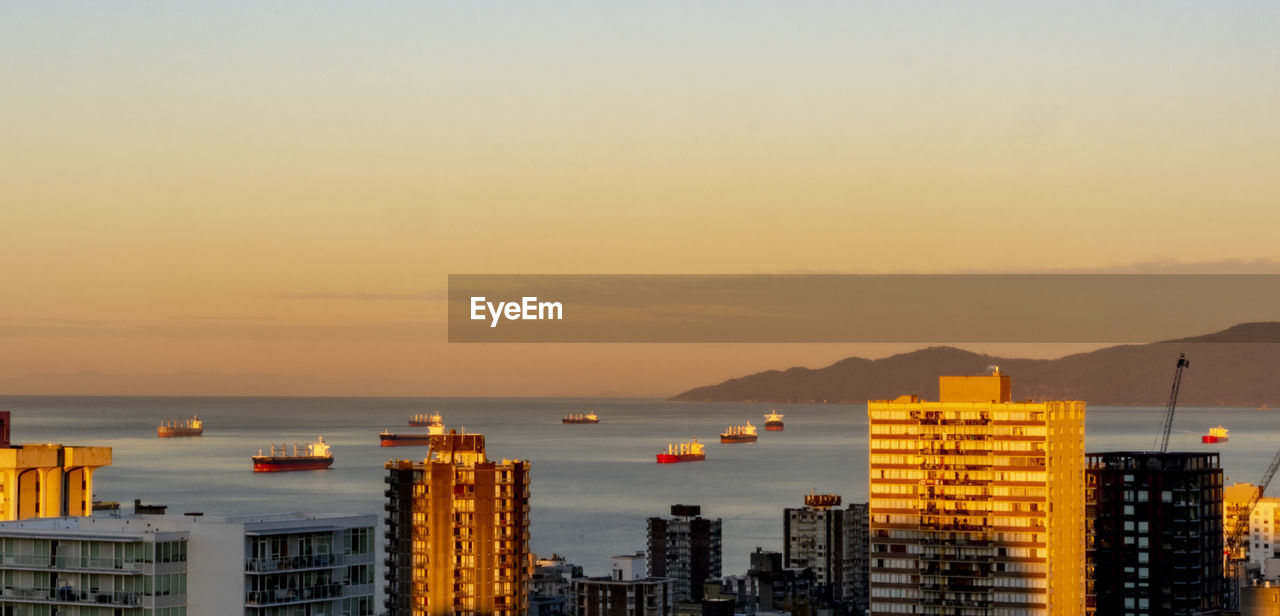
(856, 308)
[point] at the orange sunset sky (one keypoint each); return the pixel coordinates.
(249, 199)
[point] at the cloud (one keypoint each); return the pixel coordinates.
(425, 296)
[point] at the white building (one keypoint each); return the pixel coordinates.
(163, 565)
(1264, 528)
(626, 592)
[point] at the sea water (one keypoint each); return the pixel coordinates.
(592, 486)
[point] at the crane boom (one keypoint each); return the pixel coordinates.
(1173, 401)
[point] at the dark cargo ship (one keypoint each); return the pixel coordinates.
(773, 421)
(390, 439)
(181, 427)
(314, 456)
(739, 434)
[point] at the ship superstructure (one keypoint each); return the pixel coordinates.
(433, 422)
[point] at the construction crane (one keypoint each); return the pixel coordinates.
(1173, 401)
(1239, 530)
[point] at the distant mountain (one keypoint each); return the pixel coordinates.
(1239, 366)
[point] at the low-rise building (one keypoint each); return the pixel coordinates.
(628, 591)
(176, 565)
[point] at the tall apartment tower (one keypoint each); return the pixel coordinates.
(857, 550)
(458, 532)
(1157, 533)
(977, 503)
(686, 547)
(46, 480)
(832, 542)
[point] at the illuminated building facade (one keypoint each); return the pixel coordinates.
(977, 503)
(458, 532)
(1261, 546)
(46, 480)
(1157, 533)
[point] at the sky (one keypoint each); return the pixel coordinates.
(267, 198)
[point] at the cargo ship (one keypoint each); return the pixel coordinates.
(180, 427)
(739, 434)
(313, 456)
(773, 421)
(390, 439)
(434, 422)
(581, 418)
(1215, 435)
(682, 452)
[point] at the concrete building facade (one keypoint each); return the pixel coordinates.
(628, 591)
(977, 503)
(145, 565)
(686, 547)
(834, 542)
(46, 480)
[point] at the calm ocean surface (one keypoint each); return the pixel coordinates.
(593, 485)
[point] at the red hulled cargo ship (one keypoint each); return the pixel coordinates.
(773, 421)
(581, 418)
(390, 439)
(739, 434)
(1215, 435)
(693, 451)
(181, 427)
(312, 457)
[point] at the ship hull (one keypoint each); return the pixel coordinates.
(163, 432)
(580, 421)
(1209, 438)
(737, 438)
(404, 440)
(419, 424)
(267, 464)
(773, 426)
(671, 458)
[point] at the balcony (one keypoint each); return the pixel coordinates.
(72, 563)
(75, 596)
(285, 596)
(293, 563)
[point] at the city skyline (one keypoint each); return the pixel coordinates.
(232, 200)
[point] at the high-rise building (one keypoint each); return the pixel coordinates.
(686, 547)
(831, 541)
(857, 550)
(178, 565)
(628, 591)
(1157, 533)
(458, 532)
(46, 480)
(977, 503)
